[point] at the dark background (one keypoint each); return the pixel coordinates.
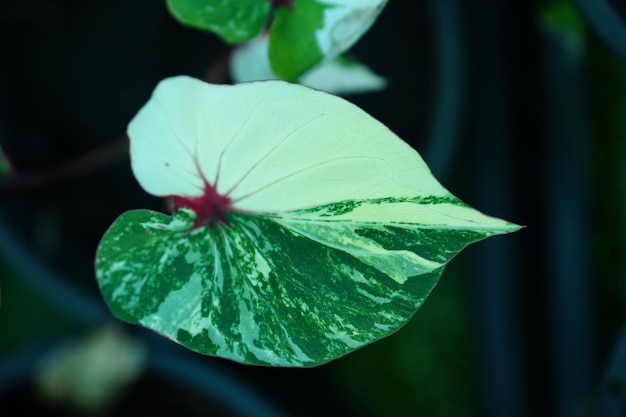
(518, 107)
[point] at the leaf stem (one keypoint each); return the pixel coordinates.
(19, 183)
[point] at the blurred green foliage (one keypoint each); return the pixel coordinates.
(562, 20)
(26, 318)
(561, 15)
(607, 87)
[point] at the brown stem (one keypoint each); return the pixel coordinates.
(217, 72)
(19, 183)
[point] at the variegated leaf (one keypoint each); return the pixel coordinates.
(303, 227)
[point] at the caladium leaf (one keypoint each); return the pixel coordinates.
(303, 228)
(234, 21)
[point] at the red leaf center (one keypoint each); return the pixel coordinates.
(210, 208)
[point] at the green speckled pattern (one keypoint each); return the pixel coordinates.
(290, 289)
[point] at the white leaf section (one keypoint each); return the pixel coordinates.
(345, 22)
(250, 62)
(270, 146)
(343, 77)
(437, 216)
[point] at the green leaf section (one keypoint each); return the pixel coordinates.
(293, 47)
(561, 16)
(5, 166)
(292, 289)
(235, 21)
(562, 20)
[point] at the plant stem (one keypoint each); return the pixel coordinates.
(19, 183)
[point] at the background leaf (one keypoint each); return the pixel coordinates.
(234, 21)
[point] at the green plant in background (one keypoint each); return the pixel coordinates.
(302, 230)
(302, 33)
(342, 75)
